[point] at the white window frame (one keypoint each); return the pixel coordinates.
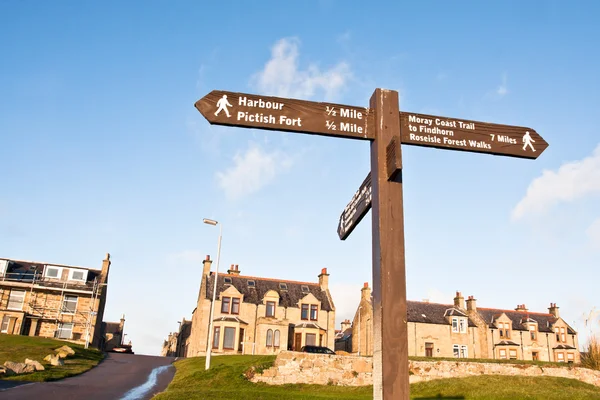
(454, 324)
(61, 328)
(59, 269)
(462, 325)
(63, 308)
(4, 324)
(502, 356)
(464, 351)
(73, 270)
(3, 267)
(456, 351)
(13, 291)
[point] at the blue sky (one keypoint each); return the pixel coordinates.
(103, 150)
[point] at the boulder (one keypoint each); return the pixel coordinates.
(65, 349)
(54, 359)
(62, 354)
(36, 364)
(19, 368)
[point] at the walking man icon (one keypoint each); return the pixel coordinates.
(222, 106)
(528, 140)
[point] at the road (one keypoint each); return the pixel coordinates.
(118, 377)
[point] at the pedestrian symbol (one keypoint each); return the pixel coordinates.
(527, 140)
(222, 106)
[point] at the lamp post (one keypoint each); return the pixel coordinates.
(214, 294)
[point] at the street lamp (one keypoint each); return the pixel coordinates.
(214, 294)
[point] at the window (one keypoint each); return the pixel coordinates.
(428, 349)
(313, 312)
(563, 336)
(557, 334)
(252, 284)
(304, 289)
(532, 332)
(570, 357)
(464, 351)
(276, 338)
(454, 324)
(456, 350)
(216, 337)
(283, 286)
(225, 301)
(512, 354)
(69, 305)
(311, 339)
(235, 305)
(228, 280)
(560, 357)
(462, 326)
(270, 309)
(65, 330)
(77, 275)
(535, 356)
(504, 329)
(270, 338)
(229, 338)
(16, 299)
(304, 314)
(52, 272)
(502, 354)
(4, 326)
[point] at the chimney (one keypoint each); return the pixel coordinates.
(206, 264)
(122, 324)
(324, 279)
(553, 309)
(459, 301)
(471, 304)
(345, 325)
(105, 268)
(365, 292)
(521, 307)
(234, 269)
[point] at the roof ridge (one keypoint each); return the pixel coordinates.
(515, 311)
(267, 279)
(42, 263)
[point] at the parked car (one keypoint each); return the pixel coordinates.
(317, 349)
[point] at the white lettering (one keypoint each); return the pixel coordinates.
(348, 113)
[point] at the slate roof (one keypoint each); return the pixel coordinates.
(518, 318)
(231, 319)
(112, 327)
(25, 271)
(433, 313)
(255, 295)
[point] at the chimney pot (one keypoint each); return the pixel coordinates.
(366, 285)
(324, 271)
(208, 257)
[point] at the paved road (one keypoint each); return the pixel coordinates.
(118, 377)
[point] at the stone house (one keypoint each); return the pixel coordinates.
(463, 330)
(53, 300)
(177, 343)
(113, 334)
(255, 315)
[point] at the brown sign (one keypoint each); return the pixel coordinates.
(274, 113)
(356, 209)
(474, 136)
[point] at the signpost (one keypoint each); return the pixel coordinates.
(387, 128)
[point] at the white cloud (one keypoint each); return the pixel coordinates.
(282, 77)
(593, 232)
(573, 181)
(252, 171)
(502, 89)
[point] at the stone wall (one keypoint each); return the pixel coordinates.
(296, 367)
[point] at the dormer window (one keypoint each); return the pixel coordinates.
(52, 272)
(533, 331)
(228, 280)
(304, 289)
(459, 325)
(504, 329)
(78, 275)
(283, 286)
(252, 284)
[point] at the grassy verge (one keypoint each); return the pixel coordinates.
(495, 361)
(17, 348)
(225, 380)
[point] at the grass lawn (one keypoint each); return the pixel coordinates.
(225, 380)
(17, 348)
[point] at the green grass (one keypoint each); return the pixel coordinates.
(17, 348)
(494, 361)
(225, 381)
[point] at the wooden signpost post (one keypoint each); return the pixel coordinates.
(387, 129)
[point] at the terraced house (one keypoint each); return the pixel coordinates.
(53, 300)
(463, 330)
(255, 315)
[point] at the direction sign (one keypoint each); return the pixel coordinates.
(275, 113)
(356, 209)
(473, 136)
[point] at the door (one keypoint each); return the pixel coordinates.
(241, 342)
(428, 349)
(297, 341)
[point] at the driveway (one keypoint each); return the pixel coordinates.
(119, 376)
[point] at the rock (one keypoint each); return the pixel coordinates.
(48, 357)
(5, 371)
(36, 364)
(62, 354)
(65, 349)
(19, 368)
(56, 361)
